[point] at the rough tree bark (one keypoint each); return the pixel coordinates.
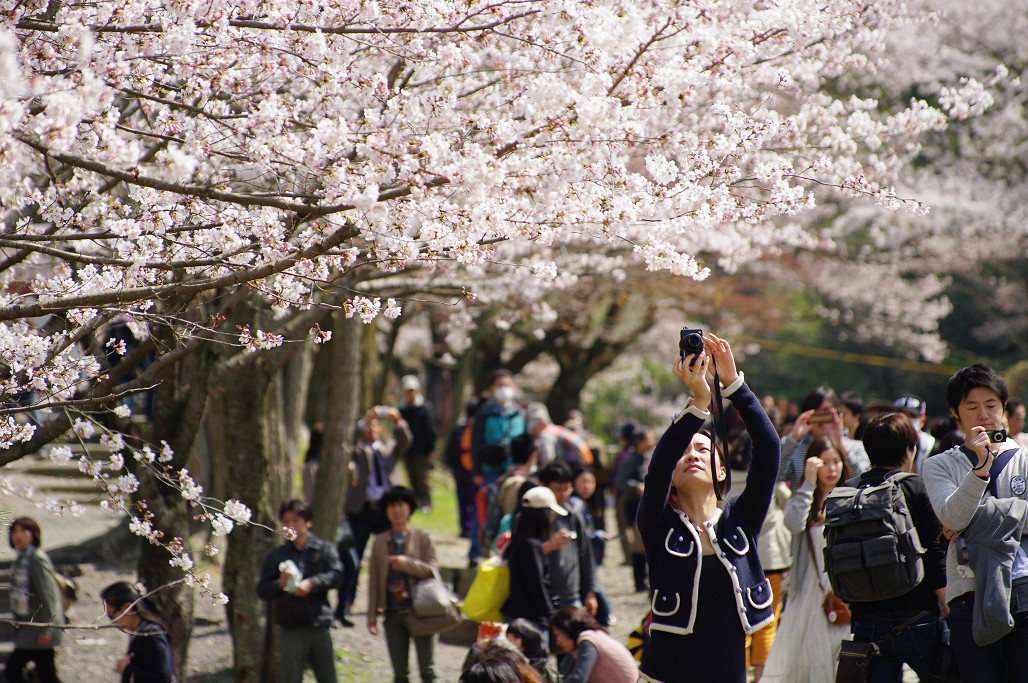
(342, 399)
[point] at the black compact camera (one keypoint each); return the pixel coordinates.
(690, 343)
(997, 435)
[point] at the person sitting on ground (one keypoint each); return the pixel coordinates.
(148, 659)
(530, 641)
(499, 664)
(595, 656)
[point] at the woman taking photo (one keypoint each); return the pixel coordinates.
(707, 586)
(399, 558)
(35, 599)
(148, 659)
(807, 643)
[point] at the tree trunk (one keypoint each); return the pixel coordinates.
(342, 408)
(245, 450)
(179, 405)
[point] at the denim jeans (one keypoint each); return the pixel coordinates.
(919, 645)
(1004, 660)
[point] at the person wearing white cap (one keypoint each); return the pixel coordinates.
(530, 594)
(417, 413)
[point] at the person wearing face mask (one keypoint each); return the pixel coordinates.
(497, 422)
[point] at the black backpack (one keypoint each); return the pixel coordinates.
(872, 549)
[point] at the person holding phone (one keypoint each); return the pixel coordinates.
(820, 417)
(371, 466)
(707, 587)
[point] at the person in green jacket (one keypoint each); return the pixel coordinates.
(36, 604)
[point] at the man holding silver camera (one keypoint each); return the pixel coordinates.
(819, 417)
(978, 489)
(372, 464)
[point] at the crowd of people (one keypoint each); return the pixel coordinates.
(765, 585)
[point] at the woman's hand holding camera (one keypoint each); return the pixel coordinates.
(724, 359)
(978, 441)
(694, 374)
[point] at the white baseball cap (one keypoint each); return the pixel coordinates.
(410, 382)
(540, 497)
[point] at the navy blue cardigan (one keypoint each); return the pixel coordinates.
(672, 543)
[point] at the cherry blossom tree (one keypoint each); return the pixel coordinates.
(170, 163)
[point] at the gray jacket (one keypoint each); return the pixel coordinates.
(993, 538)
(956, 494)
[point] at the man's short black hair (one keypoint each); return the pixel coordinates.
(557, 471)
(972, 377)
(522, 447)
(852, 401)
(499, 374)
(888, 438)
(1013, 403)
(295, 505)
(398, 494)
(816, 397)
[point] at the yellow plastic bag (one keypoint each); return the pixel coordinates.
(488, 591)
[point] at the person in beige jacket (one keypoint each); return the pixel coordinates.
(399, 558)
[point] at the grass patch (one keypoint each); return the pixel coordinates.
(443, 519)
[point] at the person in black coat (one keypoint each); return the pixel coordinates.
(419, 458)
(148, 659)
(530, 594)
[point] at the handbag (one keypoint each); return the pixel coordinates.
(836, 611)
(427, 626)
(488, 591)
(855, 656)
(430, 597)
(855, 661)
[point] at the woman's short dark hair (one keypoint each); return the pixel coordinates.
(296, 506)
(817, 397)
(573, 621)
(888, 438)
(122, 594)
(30, 525)
(972, 377)
(532, 644)
(398, 494)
